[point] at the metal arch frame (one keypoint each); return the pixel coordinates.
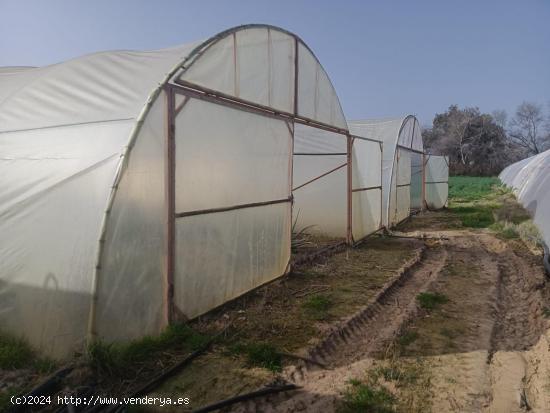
(176, 71)
(396, 165)
(191, 90)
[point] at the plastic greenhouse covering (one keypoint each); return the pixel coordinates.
(437, 181)
(402, 174)
(127, 200)
(530, 181)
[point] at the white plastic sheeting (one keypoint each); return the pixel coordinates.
(245, 159)
(366, 187)
(83, 208)
(257, 64)
(397, 135)
(437, 181)
(320, 196)
(530, 180)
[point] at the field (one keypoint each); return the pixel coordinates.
(448, 312)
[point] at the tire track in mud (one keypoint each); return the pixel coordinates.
(490, 367)
(518, 327)
(365, 333)
(380, 322)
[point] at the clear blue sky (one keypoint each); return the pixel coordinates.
(385, 58)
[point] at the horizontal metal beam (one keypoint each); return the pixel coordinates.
(366, 139)
(200, 92)
(232, 208)
(320, 176)
(320, 154)
(438, 182)
(368, 188)
(410, 149)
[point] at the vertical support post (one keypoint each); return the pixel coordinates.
(423, 181)
(382, 223)
(170, 193)
(349, 233)
(291, 127)
(296, 44)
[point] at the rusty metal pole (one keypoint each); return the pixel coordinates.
(423, 182)
(170, 175)
(349, 237)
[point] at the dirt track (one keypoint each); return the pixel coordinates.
(485, 350)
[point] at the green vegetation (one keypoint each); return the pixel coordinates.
(361, 397)
(470, 188)
(481, 202)
(260, 355)
(14, 352)
(546, 312)
(407, 338)
(472, 199)
(317, 306)
(430, 301)
(118, 358)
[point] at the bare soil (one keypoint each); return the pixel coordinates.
(483, 347)
(486, 348)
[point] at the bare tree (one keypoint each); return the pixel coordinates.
(527, 128)
(501, 117)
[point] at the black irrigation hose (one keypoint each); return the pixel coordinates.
(247, 396)
(161, 377)
(546, 258)
(45, 388)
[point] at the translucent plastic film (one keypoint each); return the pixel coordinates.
(55, 185)
(437, 177)
(394, 132)
(227, 157)
(530, 179)
(320, 181)
(416, 180)
(366, 198)
(223, 255)
(130, 278)
(400, 202)
(316, 96)
(403, 206)
(98, 87)
(255, 64)
(321, 206)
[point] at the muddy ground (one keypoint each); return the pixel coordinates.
(438, 317)
(476, 342)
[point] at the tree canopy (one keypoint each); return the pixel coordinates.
(482, 144)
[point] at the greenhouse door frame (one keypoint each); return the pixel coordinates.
(193, 91)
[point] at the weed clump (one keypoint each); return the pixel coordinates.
(408, 338)
(475, 216)
(361, 397)
(118, 358)
(430, 301)
(14, 352)
(317, 306)
(260, 355)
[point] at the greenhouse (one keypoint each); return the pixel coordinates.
(530, 181)
(401, 164)
(143, 188)
(411, 180)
